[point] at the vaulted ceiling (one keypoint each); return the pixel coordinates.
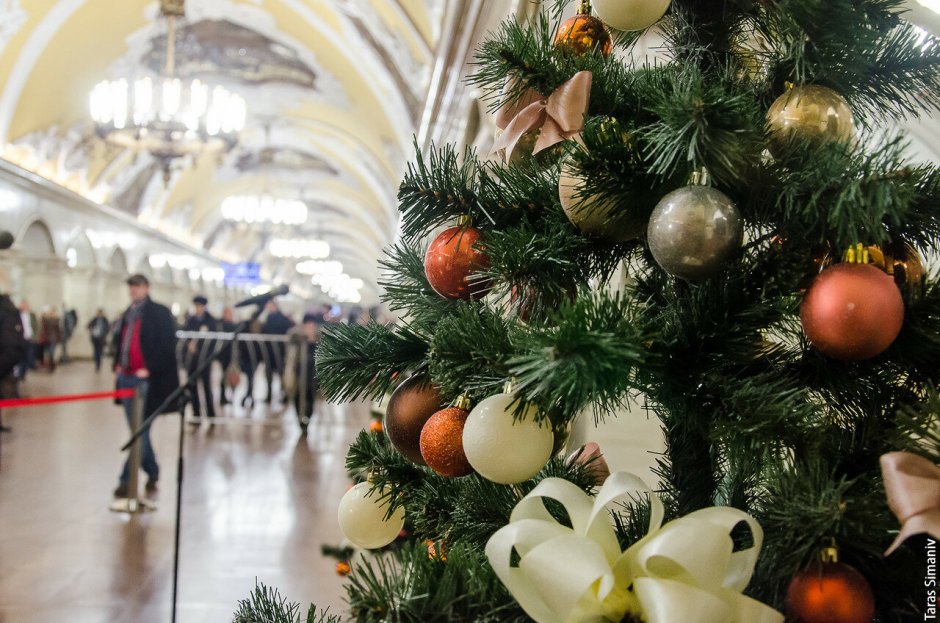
(335, 91)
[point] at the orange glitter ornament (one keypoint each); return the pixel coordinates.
(343, 568)
(375, 426)
(584, 33)
(442, 442)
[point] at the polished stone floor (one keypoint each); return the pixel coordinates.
(258, 501)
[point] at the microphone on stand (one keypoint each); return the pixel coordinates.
(261, 299)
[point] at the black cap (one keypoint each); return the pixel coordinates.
(313, 317)
(200, 300)
(138, 280)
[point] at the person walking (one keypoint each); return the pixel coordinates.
(276, 323)
(145, 359)
(30, 334)
(69, 322)
(226, 325)
(248, 359)
(98, 329)
(304, 402)
(196, 352)
(50, 336)
(12, 349)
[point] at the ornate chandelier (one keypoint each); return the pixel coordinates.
(167, 116)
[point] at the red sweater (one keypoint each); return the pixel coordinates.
(135, 356)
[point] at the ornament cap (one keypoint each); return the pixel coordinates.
(462, 402)
(510, 386)
(699, 177)
(464, 220)
(856, 255)
(585, 7)
(830, 553)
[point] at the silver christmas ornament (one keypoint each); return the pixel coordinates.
(693, 230)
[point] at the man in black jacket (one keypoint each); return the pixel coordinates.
(197, 351)
(12, 348)
(276, 323)
(145, 358)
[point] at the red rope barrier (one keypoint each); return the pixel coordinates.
(44, 400)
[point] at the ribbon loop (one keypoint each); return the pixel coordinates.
(912, 484)
(684, 571)
(558, 117)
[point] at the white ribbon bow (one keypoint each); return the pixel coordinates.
(683, 571)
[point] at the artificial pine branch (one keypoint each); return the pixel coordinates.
(265, 605)
(356, 362)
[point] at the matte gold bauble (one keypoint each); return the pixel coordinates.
(631, 14)
(595, 216)
(903, 263)
(809, 112)
(410, 406)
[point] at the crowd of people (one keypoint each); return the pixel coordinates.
(148, 357)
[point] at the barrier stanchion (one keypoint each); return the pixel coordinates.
(302, 387)
(133, 503)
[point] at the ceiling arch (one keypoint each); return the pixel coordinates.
(335, 91)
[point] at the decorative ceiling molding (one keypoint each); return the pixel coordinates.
(12, 18)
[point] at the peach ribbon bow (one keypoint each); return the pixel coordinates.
(913, 487)
(560, 115)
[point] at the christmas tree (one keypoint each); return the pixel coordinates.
(777, 319)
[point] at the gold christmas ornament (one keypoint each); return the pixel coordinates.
(584, 33)
(630, 14)
(595, 215)
(811, 112)
(904, 264)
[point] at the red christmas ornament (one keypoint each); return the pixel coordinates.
(531, 303)
(442, 441)
(830, 592)
(452, 259)
(584, 33)
(410, 406)
(852, 312)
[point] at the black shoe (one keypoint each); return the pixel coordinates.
(225, 401)
(5, 429)
(151, 486)
(121, 491)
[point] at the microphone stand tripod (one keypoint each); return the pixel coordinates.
(186, 391)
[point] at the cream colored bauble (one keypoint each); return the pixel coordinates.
(592, 215)
(362, 518)
(502, 449)
(630, 14)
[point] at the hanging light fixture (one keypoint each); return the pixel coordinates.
(168, 116)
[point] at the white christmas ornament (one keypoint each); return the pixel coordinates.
(362, 518)
(503, 449)
(630, 14)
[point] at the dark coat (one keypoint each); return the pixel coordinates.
(12, 343)
(158, 345)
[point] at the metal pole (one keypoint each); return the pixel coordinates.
(302, 386)
(133, 503)
(179, 515)
(137, 408)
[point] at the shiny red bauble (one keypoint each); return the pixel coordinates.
(852, 312)
(442, 443)
(451, 261)
(830, 592)
(410, 406)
